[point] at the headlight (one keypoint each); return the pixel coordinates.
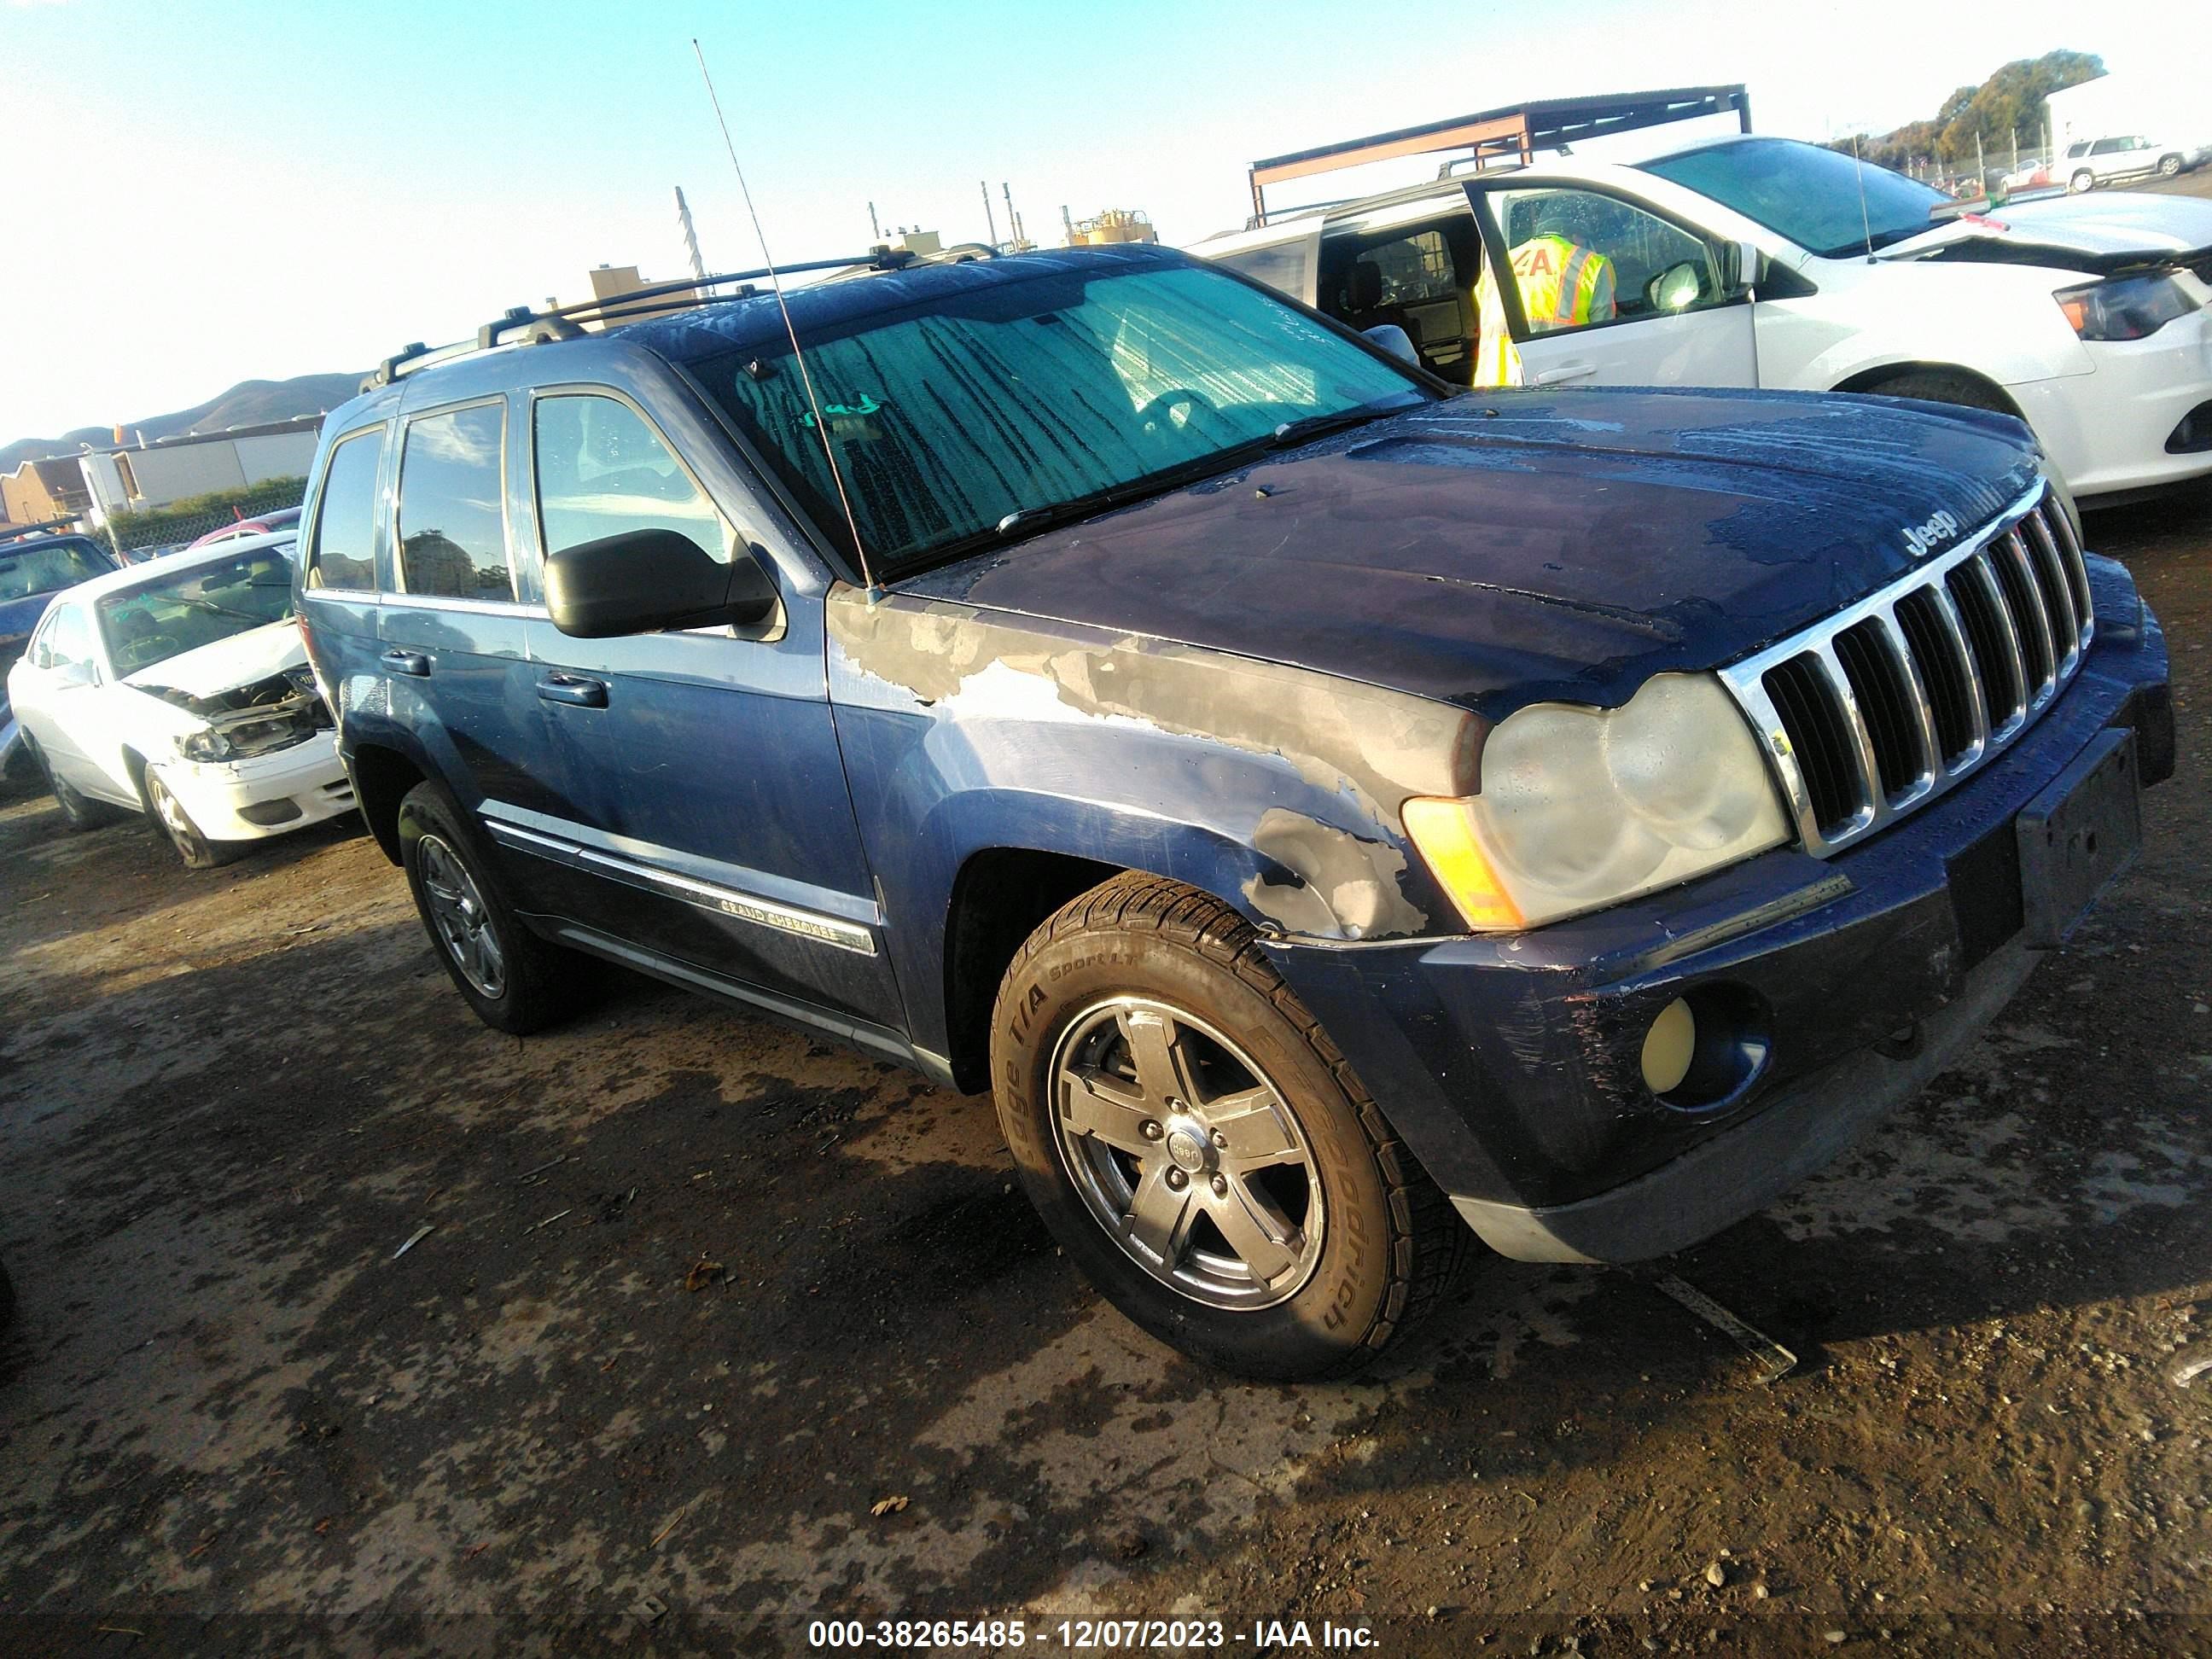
(2125, 307)
(1584, 808)
(204, 746)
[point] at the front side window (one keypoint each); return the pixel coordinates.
(1064, 389)
(602, 470)
(1807, 193)
(46, 567)
(67, 641)
(343, 551)
(181, 611)
(452, 527)
(1580, 257)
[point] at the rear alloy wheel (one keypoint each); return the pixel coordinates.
(515, 981)
(2081, 183)
(197, 852)
(1198, 1147)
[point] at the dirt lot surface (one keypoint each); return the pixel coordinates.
(226, 1101)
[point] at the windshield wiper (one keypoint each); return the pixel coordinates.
(1307, 428)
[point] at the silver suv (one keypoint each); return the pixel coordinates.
(2095, 162)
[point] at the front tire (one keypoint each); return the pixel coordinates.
(2168, 166)
(176, 824)
(1938, 386)
(516, 981)
(1198, 1147)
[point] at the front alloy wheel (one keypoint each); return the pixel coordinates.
(1186, 1154)
(197, 852)
(1200, 1148)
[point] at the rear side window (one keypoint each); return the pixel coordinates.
(602, 470)
(453, 531)
(343, 554)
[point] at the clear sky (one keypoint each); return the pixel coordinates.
(199, 191)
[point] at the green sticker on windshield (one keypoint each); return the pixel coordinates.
(867, 405)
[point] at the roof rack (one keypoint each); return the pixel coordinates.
(16, 532)
(522, 326)
(1518, 130)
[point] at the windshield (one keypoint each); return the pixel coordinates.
(1022, 397)
(1804, 192)
(48, 567)
(183, 609)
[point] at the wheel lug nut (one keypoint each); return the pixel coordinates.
(1221, 1185)
(1177, 1181)
(1150, 1129)
(1221, 1140)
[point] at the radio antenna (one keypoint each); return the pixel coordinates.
(799, 356)
(1866, 225)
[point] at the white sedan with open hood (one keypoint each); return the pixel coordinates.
(1753, 261)
(181, 690)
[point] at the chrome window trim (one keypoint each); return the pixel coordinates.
(310, 545)
(1993, 730)
(833, 931)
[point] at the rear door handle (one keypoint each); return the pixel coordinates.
(1564, 372)
(579, 691)
(406, 662)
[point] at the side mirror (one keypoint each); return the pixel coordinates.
(643, 581)
(1675, 289)
(1395, 341)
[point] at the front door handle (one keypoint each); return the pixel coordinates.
(406, 662)
(1564, 372)
(578, 691)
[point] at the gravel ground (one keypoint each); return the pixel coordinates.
(700, 1294)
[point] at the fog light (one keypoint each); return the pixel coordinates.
(1668, 1047)
(268, 812)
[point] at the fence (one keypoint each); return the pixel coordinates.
(186, 521)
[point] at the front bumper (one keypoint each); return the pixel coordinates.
(246, 799)
(2107, 430)
(1511, 1065)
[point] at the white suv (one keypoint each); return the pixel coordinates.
(1753, 261)
(2095, 162)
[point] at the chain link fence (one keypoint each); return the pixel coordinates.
(138, 536)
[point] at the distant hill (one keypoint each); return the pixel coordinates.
(247, 403)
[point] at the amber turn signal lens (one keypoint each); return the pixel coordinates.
(1443, 831)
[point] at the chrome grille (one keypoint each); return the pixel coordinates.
(1892, 700)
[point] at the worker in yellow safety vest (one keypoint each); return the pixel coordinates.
(1562, 285)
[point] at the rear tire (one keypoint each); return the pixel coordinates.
(2081, 183)
(516, 981)
(175, 826)
(79, 810)
(1198, 1147)
(1939, 386)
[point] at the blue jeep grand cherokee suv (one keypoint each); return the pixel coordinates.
(1328, 814)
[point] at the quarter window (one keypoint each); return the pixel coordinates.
(67, 638)
(602, 470)
(453, 531)
(343, 553)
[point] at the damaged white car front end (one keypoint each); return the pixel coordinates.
(183, 692)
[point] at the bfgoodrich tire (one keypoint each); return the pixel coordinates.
(515, 981)
(1942, 386)
(1198, 1146)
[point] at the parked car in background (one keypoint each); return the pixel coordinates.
(260, 524)
(1747, 263)
(2094, 161)
(181, 690)
(1329, 814)
(34, 568)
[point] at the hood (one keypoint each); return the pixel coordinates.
(211, 670)
(1504, 548)
(2105, 230)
